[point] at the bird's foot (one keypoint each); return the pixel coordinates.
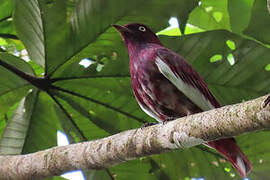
(153, 123)
(164, 122)
(148, 124)
(266, 102)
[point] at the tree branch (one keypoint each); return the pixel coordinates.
(184, 132)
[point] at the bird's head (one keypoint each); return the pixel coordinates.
(136, 33)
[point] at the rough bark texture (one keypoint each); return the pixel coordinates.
(185, 132)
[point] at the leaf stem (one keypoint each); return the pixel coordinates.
(100, 103)
(41, 83)
(89, 77)
(9, 36)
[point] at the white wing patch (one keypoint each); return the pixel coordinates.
(241, 164)
(192, 93)
(149, 112)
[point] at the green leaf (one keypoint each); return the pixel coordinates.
(230, 44)
(239, 21)
(183, 15)
(95, 38)
(7, 29)
(93, 110)
(81, 119)
(96, 101)
(267, 67)
(15, 132)
(58, 40)
(56, 178)
(74, 134)
(39, 71)
(10, 97)
(97, 174)
(133, 170)
(68, 125)
(12, 87)
(259, 25)
(6, 25)
(210, 15)
(30, 28)
(94, 16)
(17, 63)
(190, 29)
(193, 163)
(8, 79)
(230, 84)
(244, 80)
(198, 48)
(44, 125)
(170, 32)
(216, 57)
(6, 8)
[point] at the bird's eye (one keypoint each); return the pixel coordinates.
(141, 28)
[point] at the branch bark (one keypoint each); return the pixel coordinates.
(184, 132)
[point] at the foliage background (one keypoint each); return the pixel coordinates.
(227, 42)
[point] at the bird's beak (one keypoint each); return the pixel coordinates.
(124, 31)
(121, 29)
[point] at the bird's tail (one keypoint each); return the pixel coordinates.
(230, 150)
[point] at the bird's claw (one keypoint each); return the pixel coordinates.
(266, 102)
(148, 124)
(164, 122)
(152, 123)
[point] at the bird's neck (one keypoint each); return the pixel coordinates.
(134, 49)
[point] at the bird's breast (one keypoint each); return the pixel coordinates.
(156, 95)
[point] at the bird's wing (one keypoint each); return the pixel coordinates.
(189, 82)
(185, 78)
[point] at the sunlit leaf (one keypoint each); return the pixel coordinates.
(210, 15)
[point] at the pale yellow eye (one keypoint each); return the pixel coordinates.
(141, 28)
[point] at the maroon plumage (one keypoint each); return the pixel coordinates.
(167, 87)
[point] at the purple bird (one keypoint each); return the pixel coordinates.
(167, 87)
